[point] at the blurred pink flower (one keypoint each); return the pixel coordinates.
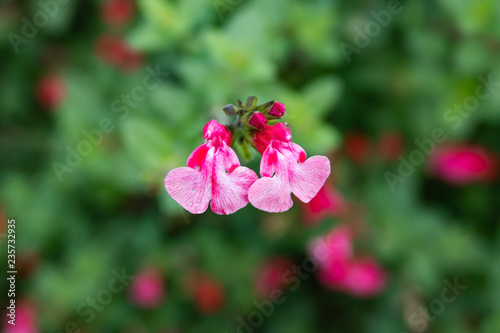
(270, 276)
(117, 12)
(334, 247)
(285, 170)
(25, 321)
(213, 173)
(339, 270)
(364, 278)
(461, 164)
(147, 289)
(327, 203)
(50, 91)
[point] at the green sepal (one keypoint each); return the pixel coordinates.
(265, 108)
(251, 103)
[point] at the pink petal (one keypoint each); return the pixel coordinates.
(307, 178)
(277, 132)
(328, 202)
(230, 182)
(298, 152)
(334, 275)
(213, 129)
(271, 195)
(231, 190)
(334, 246)
(364, 278)
(270, 161)
(190, 188)
(197, 157)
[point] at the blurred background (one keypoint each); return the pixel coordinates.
(100, 99)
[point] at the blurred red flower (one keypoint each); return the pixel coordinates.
(270, 276)
(329, 202)
(50, 91)
(147, 289)
(113, 50)
(208, 294)
(461, 164)
(390, 145)
(357, 146)
(117, 12)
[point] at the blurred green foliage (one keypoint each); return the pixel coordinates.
(112, 212)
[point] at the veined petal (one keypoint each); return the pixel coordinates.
(230, 190)
(271, 195)
(227, 158)
(190, 188)
(269, 161)
(230, 182)
(307, 178)
(298, 151)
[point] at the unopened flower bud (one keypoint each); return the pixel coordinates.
(230, 110)
(278, 110)
(258, 120)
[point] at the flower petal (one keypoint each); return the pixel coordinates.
(197, 157)
(190, 188)
(230, 190)
(271, 195)
(270, 161)
(307, 178)
(230, 182)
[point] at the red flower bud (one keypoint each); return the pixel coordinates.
(258, 120)
(278, 110)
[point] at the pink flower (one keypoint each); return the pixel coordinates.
(338, 270)
(334, 247)
(328, 202)
(25, 315)
(364, 278)
(270, 276)
(214, 173)
(285, 170)
(147, 289)
(462, 164)
(278, 110)
(258, 120)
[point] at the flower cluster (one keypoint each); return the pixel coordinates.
(339, 269)
(214, 174)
